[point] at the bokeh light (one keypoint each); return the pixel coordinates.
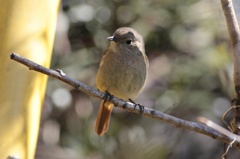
(190, 75)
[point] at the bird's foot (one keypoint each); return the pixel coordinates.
(141, 107)
(107, 97)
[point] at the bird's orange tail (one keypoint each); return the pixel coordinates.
(103, 118)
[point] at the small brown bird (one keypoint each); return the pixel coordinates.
(122, 71)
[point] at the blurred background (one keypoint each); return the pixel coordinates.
(190, 75)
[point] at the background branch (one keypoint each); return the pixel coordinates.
(152, 113)
(234, 34)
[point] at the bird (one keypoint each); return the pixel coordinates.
(122, 72)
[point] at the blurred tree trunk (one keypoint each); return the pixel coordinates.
(26, 27)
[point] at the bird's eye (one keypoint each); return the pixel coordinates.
(128, 42)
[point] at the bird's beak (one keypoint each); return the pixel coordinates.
(112, 38)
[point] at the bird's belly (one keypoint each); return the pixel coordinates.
(121, 81)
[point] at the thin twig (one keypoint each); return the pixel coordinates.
(193, 126)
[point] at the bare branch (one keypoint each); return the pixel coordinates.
(193, 126)
(234, 34)
(231, 20)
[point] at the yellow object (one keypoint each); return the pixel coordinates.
(27, 27)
